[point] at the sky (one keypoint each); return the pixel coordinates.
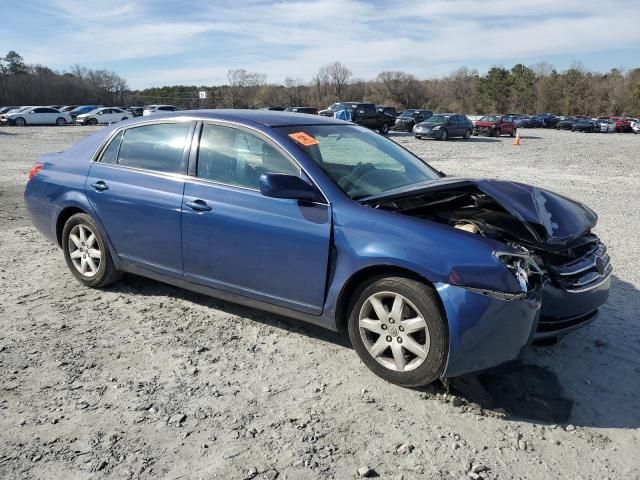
(195, 42)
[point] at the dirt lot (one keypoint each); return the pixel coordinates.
(148, 381)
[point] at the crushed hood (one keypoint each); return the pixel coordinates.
(561, 218)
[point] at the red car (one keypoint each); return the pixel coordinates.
(495, 125)
(623, 124)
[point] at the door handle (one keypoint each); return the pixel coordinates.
(198, 205)
(100, 186)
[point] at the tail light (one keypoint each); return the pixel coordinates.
(35, 170)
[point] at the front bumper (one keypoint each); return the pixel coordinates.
(427, 132)
(484, 330)
(576, 290)
(402, 126)
(481, 130)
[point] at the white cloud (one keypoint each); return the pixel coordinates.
(294, 37)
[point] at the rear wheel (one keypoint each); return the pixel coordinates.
(60, 121)
(92, 121)
(86, 252)
(20, 122)
(397, 329)
(513, 133)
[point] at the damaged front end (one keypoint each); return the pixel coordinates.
(556, 253)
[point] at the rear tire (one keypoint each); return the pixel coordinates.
(86, 252)
(513, 133)
(92, 121)
(412, 357)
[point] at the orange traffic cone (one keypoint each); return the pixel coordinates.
(517, 139)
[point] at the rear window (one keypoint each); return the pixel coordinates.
(157, 147)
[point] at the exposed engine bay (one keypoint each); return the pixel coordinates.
(573, 264)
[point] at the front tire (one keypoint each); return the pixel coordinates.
(384, 128)
(60, 122)
(20, 122)
(92, 121)
(444, 136)
(398, 331)
(86, 252)
(467, 135)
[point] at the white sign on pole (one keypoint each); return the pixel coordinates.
(202, 95)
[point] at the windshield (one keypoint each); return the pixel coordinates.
(438, 119)
(409, 113)
(490, 118)
(360, 162)
(341, 106)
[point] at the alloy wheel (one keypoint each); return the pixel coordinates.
(84, 250)
(394, 331)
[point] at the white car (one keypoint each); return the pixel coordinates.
(37, 116)
(606, 125)
(151, 109)
(103, 115)
(635, 127)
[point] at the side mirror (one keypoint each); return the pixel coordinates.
(283, 185)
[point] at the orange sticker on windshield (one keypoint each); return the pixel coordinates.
(303, 139)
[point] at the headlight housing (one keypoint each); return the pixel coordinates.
(437, 128)
(523, 267)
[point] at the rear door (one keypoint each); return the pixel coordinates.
(237, 240)
(136, 189)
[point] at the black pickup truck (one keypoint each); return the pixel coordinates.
(365, 114)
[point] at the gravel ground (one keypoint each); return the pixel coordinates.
(143, 380)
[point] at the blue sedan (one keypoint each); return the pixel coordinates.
(326, 222)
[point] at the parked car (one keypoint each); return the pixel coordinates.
(410, 118)
(67, 108)
(153, 109)
(336, 107)
(584, 125)
(4, 110)
(37, 116)
(529, 121)
(635, 127)
(605, 125)
(566, 123)
(516, 118)
(547, 120)
(443, 126)
(3, 116)
(388, 110)
(82, 109)
(466, 274)
(135, 111)
(275, 109)
(307, 110)
(103, 115)
(495, 125)
(623, 124)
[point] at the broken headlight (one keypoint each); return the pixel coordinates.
(523, 267)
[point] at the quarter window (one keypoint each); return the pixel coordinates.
(110, 154)
(236, 157)
(156, 147)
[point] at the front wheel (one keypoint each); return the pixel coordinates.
(86, 252)
(60, 121)
(398, 331)
(93, 122)
(444, 136)
(124, 118)
(20, 122)
(384, 128)
(467, 135)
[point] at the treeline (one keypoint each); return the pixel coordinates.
(521, 89)
(23, 84)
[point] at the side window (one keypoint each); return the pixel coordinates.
(236, 157)
(369, 109)
(110, 154)
(156, 147)
(39, 110)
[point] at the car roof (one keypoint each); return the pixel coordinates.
(271, 118)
